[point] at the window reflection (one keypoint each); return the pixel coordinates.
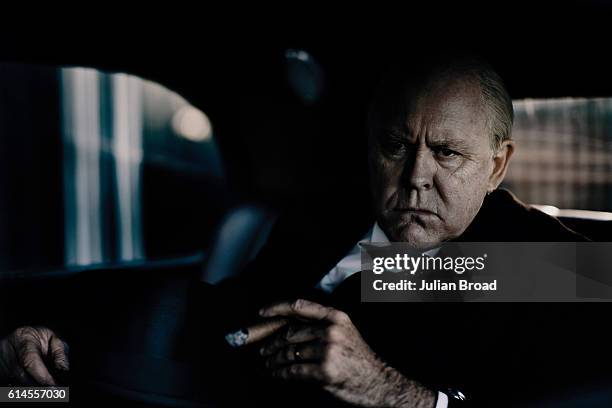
(564, 153)
(101, 169)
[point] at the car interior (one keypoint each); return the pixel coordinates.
(145, 162)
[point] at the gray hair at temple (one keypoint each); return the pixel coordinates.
(403, 78)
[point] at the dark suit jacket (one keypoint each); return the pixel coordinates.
(490, 351)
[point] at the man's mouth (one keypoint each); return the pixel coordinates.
(415, 211)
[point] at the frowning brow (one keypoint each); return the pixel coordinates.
(450, 143)
(441, 141)
(441, 138)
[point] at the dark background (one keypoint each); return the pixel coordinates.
(231, 66)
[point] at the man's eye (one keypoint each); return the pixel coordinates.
(445, 152)
(394, 147)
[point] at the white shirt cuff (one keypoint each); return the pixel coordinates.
(442, 400)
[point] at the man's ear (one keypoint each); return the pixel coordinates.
(500, 164)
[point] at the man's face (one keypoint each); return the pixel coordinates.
(430, 162)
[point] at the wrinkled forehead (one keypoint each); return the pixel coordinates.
(450, 92)
(451, 104)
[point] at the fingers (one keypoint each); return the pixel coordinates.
(305, 309)
(32, 363)
(25, 351)
(255, 332)
(30, 346)
(300, 309)
(296, 353)
(300, 372)
(292, 334)
(57, 352)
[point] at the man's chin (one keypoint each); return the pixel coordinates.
(418, 238)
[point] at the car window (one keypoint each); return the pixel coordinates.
(564, 153)
(99, 167)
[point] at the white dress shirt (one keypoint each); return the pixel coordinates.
(351, 263)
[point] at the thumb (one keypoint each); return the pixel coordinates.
(58, 353)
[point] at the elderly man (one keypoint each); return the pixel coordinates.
(439, 147)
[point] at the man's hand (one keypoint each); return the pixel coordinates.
(28, 352)
(322, 345)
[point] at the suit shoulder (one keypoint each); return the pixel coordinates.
(534, 224)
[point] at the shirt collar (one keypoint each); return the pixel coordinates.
(378, 235)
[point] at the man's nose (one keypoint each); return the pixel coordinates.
(419, 170)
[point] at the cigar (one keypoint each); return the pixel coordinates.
(255, 332)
